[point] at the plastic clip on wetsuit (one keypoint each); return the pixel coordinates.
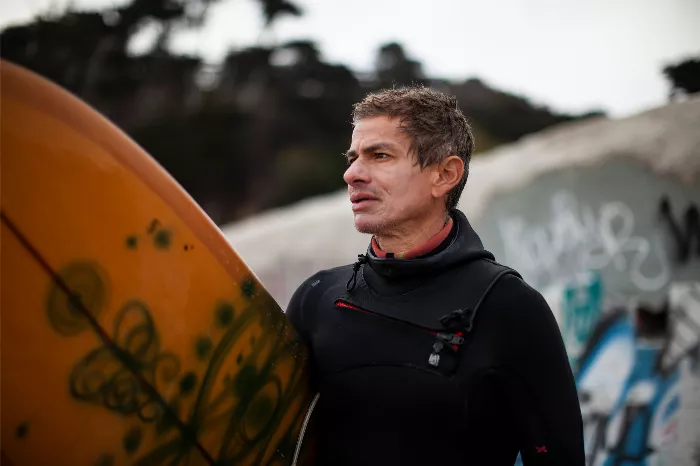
(446, 358)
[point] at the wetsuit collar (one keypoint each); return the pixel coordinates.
(464, 245)
(418, 251)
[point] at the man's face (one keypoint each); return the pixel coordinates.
(388, 190)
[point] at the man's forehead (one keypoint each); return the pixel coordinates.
(378, 130)
(378, 123)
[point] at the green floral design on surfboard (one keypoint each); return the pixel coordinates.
(237, 396)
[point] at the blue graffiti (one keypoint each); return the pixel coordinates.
(581, 307)
(642, 399)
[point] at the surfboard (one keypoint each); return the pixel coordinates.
(132, 332)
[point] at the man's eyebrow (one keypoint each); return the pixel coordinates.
(382, 145)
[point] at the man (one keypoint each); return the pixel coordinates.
(426, 351)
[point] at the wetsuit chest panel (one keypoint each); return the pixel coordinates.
(348, 338)
(373, 373)
(376, 404)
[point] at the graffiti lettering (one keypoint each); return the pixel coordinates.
(577, 238)
(685, 234)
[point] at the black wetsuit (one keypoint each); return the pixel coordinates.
(393, 392)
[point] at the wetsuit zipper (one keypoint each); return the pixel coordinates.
(442, 339)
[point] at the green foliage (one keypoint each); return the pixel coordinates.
(305, 172)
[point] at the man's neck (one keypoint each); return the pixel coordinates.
(412, 236)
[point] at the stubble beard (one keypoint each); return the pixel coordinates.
(376, 227)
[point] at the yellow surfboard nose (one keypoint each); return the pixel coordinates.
(132, 333)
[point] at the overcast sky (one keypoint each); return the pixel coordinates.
(569, 55)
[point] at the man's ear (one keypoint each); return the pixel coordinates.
(447, 175)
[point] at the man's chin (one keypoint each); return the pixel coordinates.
(367, 225)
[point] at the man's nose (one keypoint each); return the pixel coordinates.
(356, 173)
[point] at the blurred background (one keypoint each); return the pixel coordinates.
(586, 176)
(247, 102)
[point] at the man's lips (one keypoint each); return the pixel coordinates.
(359, 197)
(360, 200)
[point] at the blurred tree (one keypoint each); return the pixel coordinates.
(265, 128)
(300, 106)
(273, 9)
(86, 52)
(206, 152)
(394, 68)
(505, 116)
(684, 77)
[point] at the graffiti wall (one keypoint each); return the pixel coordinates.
(615, 250)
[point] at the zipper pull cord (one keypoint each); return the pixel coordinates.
(450, 338)
(361, 259)
(442, 341)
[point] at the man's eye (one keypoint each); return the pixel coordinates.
(381, 155)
